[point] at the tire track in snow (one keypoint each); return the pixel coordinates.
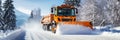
(37, 37)
(52, 36)
(28, 36)
(42, 37)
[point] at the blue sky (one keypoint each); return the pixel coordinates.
(27, 5)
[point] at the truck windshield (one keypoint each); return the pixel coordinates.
(66, 12)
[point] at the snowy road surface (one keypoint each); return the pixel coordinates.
(34, 32)
(35, 35)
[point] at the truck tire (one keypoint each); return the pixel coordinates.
(48, 27)
(44, 27)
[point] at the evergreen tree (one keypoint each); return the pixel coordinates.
(9, 15)
(31, 14)
(35, 14)
(0, 9)
(1, 17)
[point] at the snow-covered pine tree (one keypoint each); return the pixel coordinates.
(0, 9)
(31, 16)
(35, 14)
(1, 17)
(9, 15)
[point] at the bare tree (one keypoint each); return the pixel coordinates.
(100, 12)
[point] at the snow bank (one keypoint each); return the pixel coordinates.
(108, 30)
(110, 34)
(9, 34)
(2, 34)
(5, 34)
(72, 29)
(117, 28)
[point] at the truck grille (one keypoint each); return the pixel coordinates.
(66, 19)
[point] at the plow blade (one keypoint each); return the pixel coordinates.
(74, 28)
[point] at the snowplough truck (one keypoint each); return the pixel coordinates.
(63, 18)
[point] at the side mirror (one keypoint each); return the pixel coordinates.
(51, 10)
(76, 11)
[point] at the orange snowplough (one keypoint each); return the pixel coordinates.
(64, 14)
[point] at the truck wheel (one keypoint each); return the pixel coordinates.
(44, 27)
(48, 27)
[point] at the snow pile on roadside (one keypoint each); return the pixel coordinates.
(5, 34)
(115, 31)
(110, 34)
(72, 29)
(108, 30)
(8, 33)
(117, 28)
(2, 34)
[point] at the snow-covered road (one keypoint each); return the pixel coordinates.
(37, 35)
(34, 35)
(33, 31)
